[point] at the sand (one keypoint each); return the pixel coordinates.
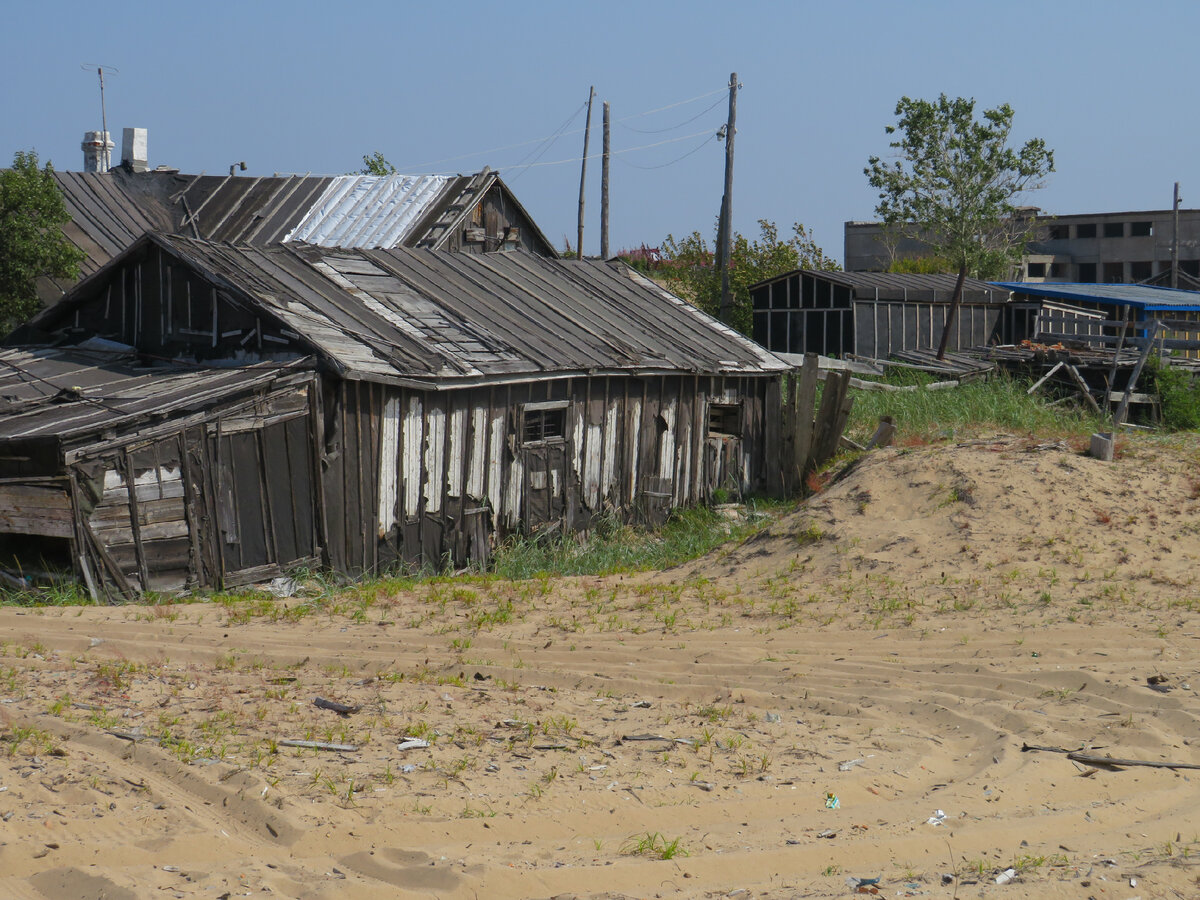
(894, 642)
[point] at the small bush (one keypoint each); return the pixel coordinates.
(1178, 395)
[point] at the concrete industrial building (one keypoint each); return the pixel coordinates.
(1107, 248)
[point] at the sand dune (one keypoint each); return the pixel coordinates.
(894, 642)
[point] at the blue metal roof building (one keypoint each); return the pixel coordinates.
(1144, 298)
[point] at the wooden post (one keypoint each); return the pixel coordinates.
(587, 131)
(1175, 239)
(604, 187)
(725, 230)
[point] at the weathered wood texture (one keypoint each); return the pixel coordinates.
(440, 477)
(178, 504)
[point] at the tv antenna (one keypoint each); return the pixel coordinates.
(100, 70)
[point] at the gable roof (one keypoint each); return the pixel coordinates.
(110, 211)
(901, 286)
(1141, 296)
(448, 319)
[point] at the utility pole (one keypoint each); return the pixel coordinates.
(587, 130)
(604, 188)
(725, 229)
(1175, 240)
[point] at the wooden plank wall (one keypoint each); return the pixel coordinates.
(436, 478)
(228, 498)
(163, 308)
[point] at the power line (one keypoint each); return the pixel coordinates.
(715, 104)
(549, 142)
(559, 134)
(695, 149)
(575, 159)
(650, 112)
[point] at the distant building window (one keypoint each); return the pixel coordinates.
(544, 422)
(1114, 229)
(1060, 232)
(1140, 271)
(1058, 270)
(1114, 273)
(1037, 270)
(725, 419)
(1087, 273)
(1190, 266)
(1141, 229)
(1085, 231)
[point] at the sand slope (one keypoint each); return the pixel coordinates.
(894, 642)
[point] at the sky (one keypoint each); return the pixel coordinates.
(305, 87)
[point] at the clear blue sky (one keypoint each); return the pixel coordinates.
(311, 87)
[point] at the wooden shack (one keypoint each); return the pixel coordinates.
(446, 400)
(875, 314)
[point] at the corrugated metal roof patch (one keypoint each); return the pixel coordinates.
(369, 211)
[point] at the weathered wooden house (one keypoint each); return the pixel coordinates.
(475, 213)
(875, 314)
(360, 407)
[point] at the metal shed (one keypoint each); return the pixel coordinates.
(1070, 312)
(460, 397)
(875, 314)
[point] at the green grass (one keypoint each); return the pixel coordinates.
(998, 404)
(612, 547)
(1179, 395)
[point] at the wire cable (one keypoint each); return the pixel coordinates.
(680, 125)
(548, 144)
(695, 149)
(559, 134)
(575, 159)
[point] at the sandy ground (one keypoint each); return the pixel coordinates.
(894, 643)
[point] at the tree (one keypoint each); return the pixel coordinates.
(688, 267)
(955, 183)
(376, 164)
(32, 244)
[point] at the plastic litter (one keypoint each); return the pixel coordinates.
(1006, 876)
(831, 801)
(412, 744)
(774, 717)
(937, 818)
(850, 764)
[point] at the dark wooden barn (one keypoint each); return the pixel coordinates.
(874, 314)
(363, 407)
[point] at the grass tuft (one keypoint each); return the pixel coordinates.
(612, 547)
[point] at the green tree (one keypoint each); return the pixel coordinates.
(32, 244)
(689, 269)
(955, 183)
(376, 164)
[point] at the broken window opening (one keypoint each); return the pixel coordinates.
(725, 419)
(1114, 229)
(1086, 231)
(1141, 229)
(543, 423)
(1037, 270)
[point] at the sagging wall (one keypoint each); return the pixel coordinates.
(227, 497)
(434, 477)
